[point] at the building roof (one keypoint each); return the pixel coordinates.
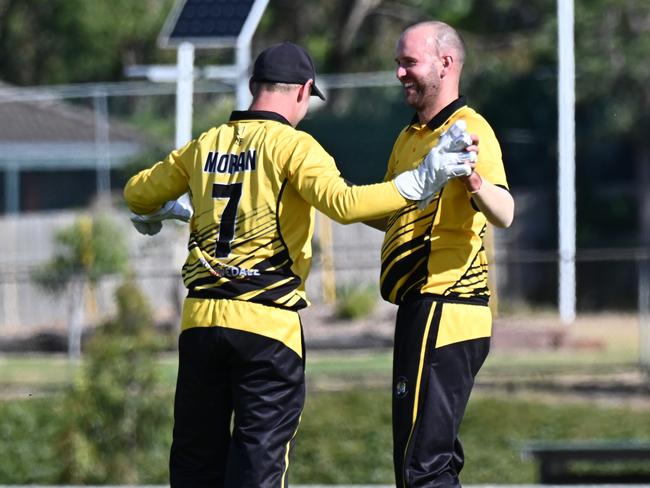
(53, 133)
(55, 121)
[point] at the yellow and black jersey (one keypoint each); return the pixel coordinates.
(439, 250)
(254, 183)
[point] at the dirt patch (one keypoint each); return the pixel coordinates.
(542, 332)
(324, 331)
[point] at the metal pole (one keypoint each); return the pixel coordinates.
(566, 165)
(102, 149)
(12, 189)
(10, 302)
(243, 52)
(242, 62)
(184, 93)
(644, 313)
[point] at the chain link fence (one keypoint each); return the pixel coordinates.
(65, 148)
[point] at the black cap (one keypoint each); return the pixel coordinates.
(286, 63)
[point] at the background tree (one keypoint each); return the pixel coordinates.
(614, 95)
(73, 41)
(116, 426)
(91, 248)
(510, 76)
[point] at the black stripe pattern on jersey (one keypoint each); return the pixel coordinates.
(473, 283)
(251, 277)
(408, 261)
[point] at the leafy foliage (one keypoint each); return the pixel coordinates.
(63, 41)
(90, 248)
(510, 76)
(356, 301)
(112, 426)
(28, 428)
(344, 437)
(115, 423)
(611, 55)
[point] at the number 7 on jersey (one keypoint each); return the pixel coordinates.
(229, 216)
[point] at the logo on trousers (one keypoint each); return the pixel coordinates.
(401, 387)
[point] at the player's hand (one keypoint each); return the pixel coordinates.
(450, 158)
(147, 228)
(150, 224)
(454, 156)
(473, 181)
(179, 209)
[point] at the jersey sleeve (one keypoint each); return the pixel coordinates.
(313, 173)
(167, 180)
(490, 161)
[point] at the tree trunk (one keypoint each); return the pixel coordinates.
(77, 291)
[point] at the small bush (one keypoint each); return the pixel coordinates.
(356, 301)
(27, 431)
(92, 247)
(116, 423)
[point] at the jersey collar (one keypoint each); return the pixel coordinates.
(443, 115)
(257, 115)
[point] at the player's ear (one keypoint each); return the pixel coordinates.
(447, 63)
(305, 90)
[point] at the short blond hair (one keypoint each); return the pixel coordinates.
(257, 86)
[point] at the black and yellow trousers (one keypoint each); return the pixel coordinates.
(239, 395)
(440, 346)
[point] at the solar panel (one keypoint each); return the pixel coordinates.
(205, 23)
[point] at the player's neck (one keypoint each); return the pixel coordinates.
(444, 98)
(278, 104)
(433, 109)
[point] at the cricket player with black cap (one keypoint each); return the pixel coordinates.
(254, 182)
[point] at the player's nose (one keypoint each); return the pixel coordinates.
(400, 72)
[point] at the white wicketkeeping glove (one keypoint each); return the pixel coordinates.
(150, 224)
(448, 159)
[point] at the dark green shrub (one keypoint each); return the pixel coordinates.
(356, 301)
(27, 431)
(116, 426)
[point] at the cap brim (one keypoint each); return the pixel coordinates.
(315, 92)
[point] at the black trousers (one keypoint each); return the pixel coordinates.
(239, 397)
(431, 388)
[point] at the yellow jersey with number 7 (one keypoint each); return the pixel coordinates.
(254, 183)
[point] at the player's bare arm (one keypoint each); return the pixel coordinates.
(495, 202)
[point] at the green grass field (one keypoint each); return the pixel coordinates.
(345, 434)
(38, 374)
(345, 437)
(598, 344)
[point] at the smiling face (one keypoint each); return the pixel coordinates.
(418, 68)
(429, 58)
